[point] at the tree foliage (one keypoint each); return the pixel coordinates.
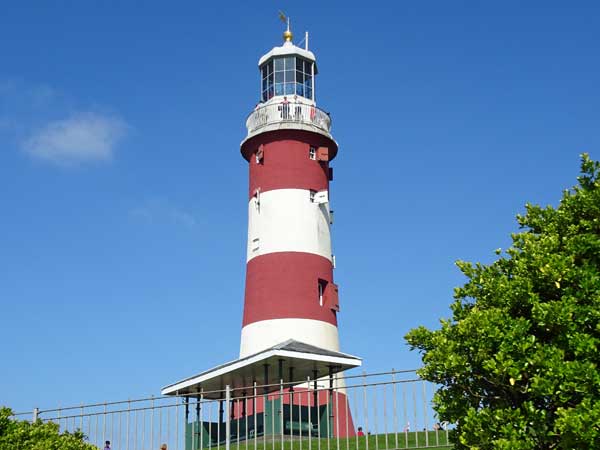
(23, 435)
(517, 363)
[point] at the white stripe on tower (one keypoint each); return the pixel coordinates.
(267, 333)
(287, 220)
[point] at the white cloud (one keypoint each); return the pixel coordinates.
(82, 138)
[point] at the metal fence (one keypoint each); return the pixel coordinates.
(378, 411)
(288, 112)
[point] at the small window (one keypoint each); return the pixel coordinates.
(322, 284)
(260, 154)
(312, 195)
(312, 153)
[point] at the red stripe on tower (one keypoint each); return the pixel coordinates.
(290, 285)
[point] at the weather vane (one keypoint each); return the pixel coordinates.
(287, 35)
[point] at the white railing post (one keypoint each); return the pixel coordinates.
(228, 415)
(36, 414)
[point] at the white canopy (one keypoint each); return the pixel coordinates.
(267, 366)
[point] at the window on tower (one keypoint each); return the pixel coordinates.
(322, 284)
(287, 75)
(267, 81)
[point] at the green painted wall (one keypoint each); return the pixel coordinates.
(209, 434)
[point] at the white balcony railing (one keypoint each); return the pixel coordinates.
(288, 113)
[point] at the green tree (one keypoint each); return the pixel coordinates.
(23, 435)
(517, 363)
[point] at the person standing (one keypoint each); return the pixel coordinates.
(107, 445)
(360, 432)
(285, 108)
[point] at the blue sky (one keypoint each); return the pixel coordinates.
(123, 193)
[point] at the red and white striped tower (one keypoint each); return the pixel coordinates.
(290, 293)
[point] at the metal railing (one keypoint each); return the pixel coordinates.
(380, 411)
(288, 112)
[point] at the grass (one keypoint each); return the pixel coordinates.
(375, 442)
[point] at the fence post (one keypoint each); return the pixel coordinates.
(365, 410)
(228, 415)
(36, 414)
(395, 406)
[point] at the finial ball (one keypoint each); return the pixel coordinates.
(287, 36)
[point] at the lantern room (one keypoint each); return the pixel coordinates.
(288, 71)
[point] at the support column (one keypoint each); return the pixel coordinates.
(330, 401)
(266, 399)
(244, 404)
(198, 424)
(316, 398)
(291, 373)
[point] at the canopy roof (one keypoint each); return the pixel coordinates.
(288, 49)
(267, 366)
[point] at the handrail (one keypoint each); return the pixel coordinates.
(288, 112)
(193, 394)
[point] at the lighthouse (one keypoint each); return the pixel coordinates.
(290, 291)
(286, 380)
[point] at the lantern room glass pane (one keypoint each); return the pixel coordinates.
(287, 75)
